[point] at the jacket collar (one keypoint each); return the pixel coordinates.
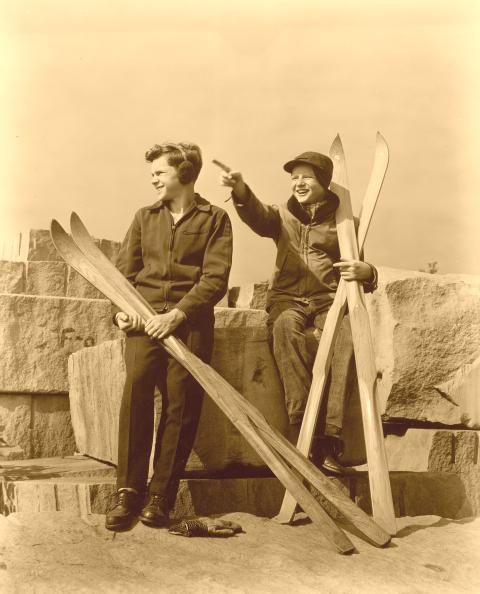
(324, 208)
(199, 203)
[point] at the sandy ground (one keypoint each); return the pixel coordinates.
(61, 553)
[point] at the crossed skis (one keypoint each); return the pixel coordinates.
(288, 463)
(352, 292)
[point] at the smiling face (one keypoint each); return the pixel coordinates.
(165, 179)
(305, 186)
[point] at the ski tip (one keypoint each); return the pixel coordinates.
(336, 149)
(381, 142)
(54, 224)
(56, 228)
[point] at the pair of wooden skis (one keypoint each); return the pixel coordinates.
(286, 462)
(351, 293)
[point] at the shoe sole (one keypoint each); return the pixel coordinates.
(153, 523)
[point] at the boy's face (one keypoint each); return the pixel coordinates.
(165, 179)
(305, 186)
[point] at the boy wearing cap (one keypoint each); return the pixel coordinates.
(302, 289)
(177, 253)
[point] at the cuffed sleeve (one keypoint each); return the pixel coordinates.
(371, 285)
(263, 219)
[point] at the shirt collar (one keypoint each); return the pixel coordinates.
(324, 208)
(199, 203)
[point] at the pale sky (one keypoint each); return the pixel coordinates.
(89, 86)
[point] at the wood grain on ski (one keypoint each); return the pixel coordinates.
(114, 286)
(333, 321)
(330, 491)
(380, 489)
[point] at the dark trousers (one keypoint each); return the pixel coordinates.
(147, 366)
(292, 337)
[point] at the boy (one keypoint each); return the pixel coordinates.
(177, 253)
(303, 287)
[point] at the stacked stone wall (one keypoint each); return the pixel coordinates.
(47, 312)
(426, 333)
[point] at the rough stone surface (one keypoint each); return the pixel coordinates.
(241, 356)
(62, 553)
(252, 295)
(440, 451)
(77, 286)
(41, 246)
(38, 425)
(52, 432)
(12, 277)
(426, 332)
(15, 421)
(96, 377)
(85, 484)
(11, 453)
(46, 278)
(81, 485)
(38, 333)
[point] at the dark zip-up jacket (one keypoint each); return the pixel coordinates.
(184, 265)
(307, 247)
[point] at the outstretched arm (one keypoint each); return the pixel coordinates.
(261, 218)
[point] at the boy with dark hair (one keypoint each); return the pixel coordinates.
(177, 253)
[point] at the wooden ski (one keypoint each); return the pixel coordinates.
(380, 489)
(109, 283)
(333, 321)
(210, 379)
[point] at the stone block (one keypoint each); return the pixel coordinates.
(15, 421)
(241, 355)
(433, 450)
(77, 286)
(38, 425)
(12, 277)
(440, 452)
(251, 295)
(38, 333)
(80, 485)
(46, 278)
(109, 247)
(41, 247)
(52, 432)
(11, 453)
(96, 377)
(426, 332)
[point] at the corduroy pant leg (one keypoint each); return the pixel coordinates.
(293, 358)
(342, 376)
(144, 360)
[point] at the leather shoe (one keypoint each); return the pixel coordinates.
(332, 466)
(123, 508)
(155, 513)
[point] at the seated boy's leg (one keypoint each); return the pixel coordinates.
(328, 444)
(293, 358)
(342, 378)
